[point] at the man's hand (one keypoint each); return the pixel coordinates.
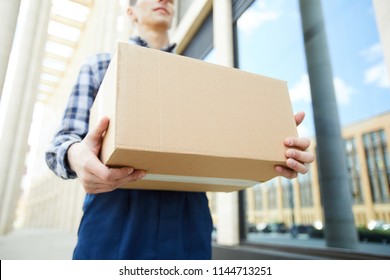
(296, 154)
(93, 174)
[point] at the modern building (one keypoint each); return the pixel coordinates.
(52, 39)
(299, 201)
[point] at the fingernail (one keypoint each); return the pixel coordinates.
(278, 169)
(142, 175)
(289, 142)
(130, 171)
(291, 163)
(290, 153)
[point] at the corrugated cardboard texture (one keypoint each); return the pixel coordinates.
(180, 116)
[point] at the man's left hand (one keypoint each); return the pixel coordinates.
(297, 155)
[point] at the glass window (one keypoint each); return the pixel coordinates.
(202, 43)
(258, 194)
(305, 189)
(378, 170)
(269, 41)
(272, 194)
(210, 57)
(385, 154)
(286, 193)
(354, 171)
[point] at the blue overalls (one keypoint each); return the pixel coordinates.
(136, 224)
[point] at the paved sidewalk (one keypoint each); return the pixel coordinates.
(46, 244)
(304, 241)
(37, 244)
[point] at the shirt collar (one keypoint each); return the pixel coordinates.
(141, 42)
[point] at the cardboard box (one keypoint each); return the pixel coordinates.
(192, 125)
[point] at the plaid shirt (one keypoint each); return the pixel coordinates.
(75, 122)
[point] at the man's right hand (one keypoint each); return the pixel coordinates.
(92, 173)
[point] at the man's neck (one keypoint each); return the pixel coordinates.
(155, 39)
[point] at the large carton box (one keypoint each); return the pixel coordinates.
(192, 125)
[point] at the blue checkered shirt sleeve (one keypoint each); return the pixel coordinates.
(75, 122)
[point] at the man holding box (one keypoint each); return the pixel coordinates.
(136, 224)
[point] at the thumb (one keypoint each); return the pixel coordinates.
(299, 117)
(95, 136)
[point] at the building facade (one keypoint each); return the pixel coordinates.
(367, 148)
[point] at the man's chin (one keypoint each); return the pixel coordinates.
(162, 24)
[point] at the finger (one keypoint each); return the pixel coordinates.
(301, 143)
(94, 166)
(111, 175)
(94, 137)
(99, 186)
(301, 156)
(285, 172)
(299, 117)
(101, 127)
(115, 174)
(106, 175)
(296, 166)
(135, 176)
(100, 190)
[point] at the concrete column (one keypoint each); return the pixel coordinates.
(106, 20)
(223, 32)
(9, 11)
(110, 29)
(227, 203)
(340, 228)
(17, 109)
